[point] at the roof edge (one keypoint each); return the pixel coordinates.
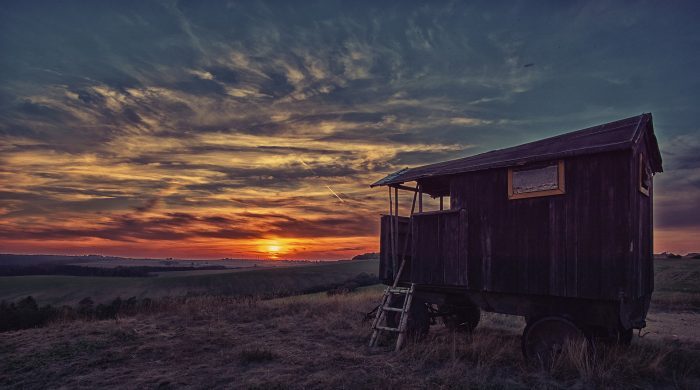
(645, 122)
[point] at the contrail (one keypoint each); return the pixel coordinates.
(307, 166)
(316, 174)
(336, 195)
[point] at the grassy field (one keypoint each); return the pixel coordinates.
(57, 289)
(676, 284)
(319, 341)
(314, 341)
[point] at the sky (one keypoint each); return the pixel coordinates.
(248, 129)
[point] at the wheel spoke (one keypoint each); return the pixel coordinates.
(546, 338)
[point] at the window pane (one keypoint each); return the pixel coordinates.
(533, 180)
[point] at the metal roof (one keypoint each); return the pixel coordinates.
(617, 135)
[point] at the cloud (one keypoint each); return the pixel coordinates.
(205, 110)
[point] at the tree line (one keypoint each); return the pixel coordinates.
(26, 313)
(79, 270)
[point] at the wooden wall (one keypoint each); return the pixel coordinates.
(386, 266)
(641, 276)
(440, 243)
(575, 245)
(594, 241)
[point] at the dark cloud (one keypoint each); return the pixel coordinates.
(421, 158)
(128, 227)
(202, 113)
(179, 226)
(197, 86)
(328, 227)
(149, 205)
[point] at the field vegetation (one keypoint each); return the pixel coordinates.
(319, 340)
(676, 284)
(313, 341)
(80, 270)
(251, 281)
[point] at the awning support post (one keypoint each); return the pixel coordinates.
(420, 198)
(396, 229)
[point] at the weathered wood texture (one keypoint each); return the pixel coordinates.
(574, 245)
(643, 235)
(386, 271)
(593, 241)
(437, 242)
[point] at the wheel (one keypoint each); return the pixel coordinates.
(544, 339)
(624, 336)
(461, 318)
(418, 322)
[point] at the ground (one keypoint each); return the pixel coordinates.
(318, 341)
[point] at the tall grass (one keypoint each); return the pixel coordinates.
(315, 341)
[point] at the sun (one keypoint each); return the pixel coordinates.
(275, 248)
(272, 248)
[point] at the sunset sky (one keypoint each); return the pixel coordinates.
(243, 129)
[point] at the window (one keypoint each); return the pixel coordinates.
(539, 180)
(644, 176)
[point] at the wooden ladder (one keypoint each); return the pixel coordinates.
(394, 289)
(385, 307)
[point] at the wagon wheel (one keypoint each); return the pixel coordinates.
(624, 336)
(461, 318)
(544, 339)
(418, 322)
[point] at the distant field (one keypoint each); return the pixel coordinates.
(676, 284)
(58, 289)
(112, 263)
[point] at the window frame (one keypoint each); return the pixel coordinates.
(561, 185)
(642, 169)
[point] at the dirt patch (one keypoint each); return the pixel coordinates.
(683, 326)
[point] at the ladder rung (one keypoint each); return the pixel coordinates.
(384, 306)
(387, 328)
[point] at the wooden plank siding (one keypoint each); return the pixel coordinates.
(593, 241)
(386, 271)
(439, 257)
(643, 237)
(574, 244)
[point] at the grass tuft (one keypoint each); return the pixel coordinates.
(256, 355)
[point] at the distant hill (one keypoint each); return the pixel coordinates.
(671, 255)
(367, 256)
(10, 259)
(115, 261)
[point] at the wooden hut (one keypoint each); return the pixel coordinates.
(560, 227)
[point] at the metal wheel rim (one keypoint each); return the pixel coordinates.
(546, 338)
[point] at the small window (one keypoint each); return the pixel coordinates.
(644, 176)
(540, 180)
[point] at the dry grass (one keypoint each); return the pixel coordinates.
(314, 341)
